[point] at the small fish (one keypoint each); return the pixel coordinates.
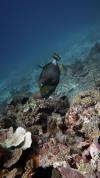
(49, 77)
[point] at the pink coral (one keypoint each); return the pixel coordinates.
(52, 152)
(68, 172)
(71, 118)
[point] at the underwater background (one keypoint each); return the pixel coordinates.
(50, 88)
(30, 31)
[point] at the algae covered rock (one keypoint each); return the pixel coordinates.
(87, 98)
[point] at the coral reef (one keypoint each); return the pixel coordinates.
(51, 133)
(58, 136)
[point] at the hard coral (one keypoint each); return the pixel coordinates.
(97, 108)
(27, 141)
(68, 172)
(93, 151)
(28, 172)
(87, 101)
(87, 98)
(20, 136)
(8, 174)
(15, 156)
(16, 139)
(12, 173)
(52, 153)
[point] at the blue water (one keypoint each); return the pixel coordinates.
(30, 31)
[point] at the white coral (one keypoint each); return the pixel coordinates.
(28, 141)
(19, 137)
(59, 164)
(16, 139)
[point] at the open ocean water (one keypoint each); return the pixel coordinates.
(30, 31)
